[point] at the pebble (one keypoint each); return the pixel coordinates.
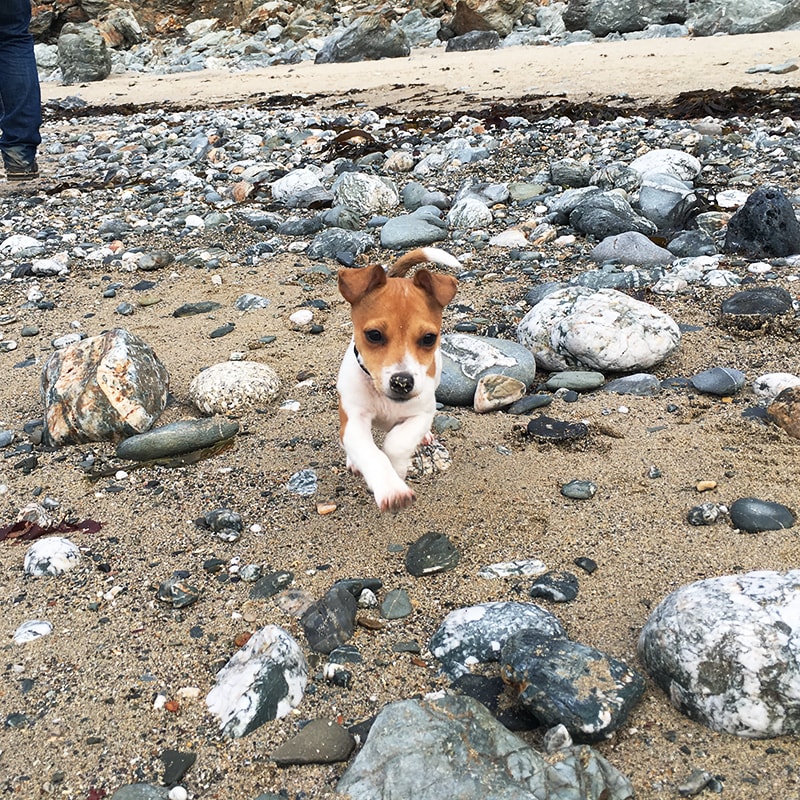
(753, 515)
(32, 630)
(512, 569)
(396, 604)
(431, 554)
(180, 437)
(554, 430)
(234, 385)
(560, 587)
(579, 489)
(720, 381)
(580, 381)
(52, 556)
(319, 741)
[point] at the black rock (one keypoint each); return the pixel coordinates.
(493, 693)
(588, 565)
(764, 227)
(756, 309)
(431, 554)
(176, 765)
(270, 585)
(189, 309)
(331, 621)
(563, 682)
(753, 515)
(556, 430)
(473, 40)
(720, 381)
(560, 587)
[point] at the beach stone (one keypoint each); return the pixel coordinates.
(466, 359)
(234, 385)
(720, 381)
(431, 554)
(631, 247)
(579, 380)
(704, 514)
(474, 635)
(764, 227)
(82, 53)
(183, 436)
(264, 680)
(332, 242)
(547, 429)
(331, 621)
(784, 411)
(690, 244)
(52, 555)
(469, 213)
(497, 391)
(666, 161)
(201, 307)
(321, 741)
(473, 40)
(368, 38)
(666, 200)
(642, 384)
(616, 175)
(250, 302)
(31, 630)
(767, 387)
(753, 515)
(603, 214)
(530, 403)
(101, 388)
(492, 693)
(177, 592)
(303, 483)
(559, 587)
(579, 489)
(286, 189)
(609, 276)
(570, 172)
(725, 651)
(407, 231)
(459, 749)
(604, 330)
(761, 309)
(365, 194)
(567, 683)
(141, 791)
(396, 604)
(513, 569)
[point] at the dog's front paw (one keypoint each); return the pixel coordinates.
(395, 500)
(427, 439)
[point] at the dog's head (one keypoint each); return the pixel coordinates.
(396, 326)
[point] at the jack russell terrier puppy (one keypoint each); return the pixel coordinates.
(392, 367)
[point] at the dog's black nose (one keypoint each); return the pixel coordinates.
(401, 382)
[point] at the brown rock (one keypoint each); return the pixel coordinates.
(102, 388)
(784, 411)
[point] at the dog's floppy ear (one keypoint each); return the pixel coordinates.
(355, 283)
(442, 288)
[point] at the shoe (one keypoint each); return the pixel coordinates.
(22, 172)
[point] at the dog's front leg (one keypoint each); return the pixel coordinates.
(404, 438)
(364, 457)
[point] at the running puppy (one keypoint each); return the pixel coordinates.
(392, 367)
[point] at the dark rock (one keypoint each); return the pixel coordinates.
(396, 604)
(564, 682)
(201, 307)
(560, 587)
(761, 309)
(555, 430)
(321, 741)
(764, 227)
(176, 765)
(270, 585)
(331, 621)
(176, 438)
(494, 694)
(473, 40)
(82, 54)
(720, 381)
(753, 515)
(430, 554)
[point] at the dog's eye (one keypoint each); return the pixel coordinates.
(428, 340)
(374, 337)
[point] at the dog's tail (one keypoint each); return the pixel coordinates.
(420, 256)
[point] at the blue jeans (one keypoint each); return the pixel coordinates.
(19, 85)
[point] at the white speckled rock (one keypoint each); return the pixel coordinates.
(264, 680)
(365, 194)
(475, 635)
(726, 651)
(294, 183)
(767, 387)
(677, 163)
(103, 387)
(604, 330)
(469, 214)
(233, 385)
(31, 630)
(52, 555)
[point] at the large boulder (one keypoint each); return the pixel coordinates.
(82, 54)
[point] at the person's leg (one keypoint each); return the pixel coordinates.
(19, 89)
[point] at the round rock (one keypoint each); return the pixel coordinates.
(53, 555)
(234, 385)
(753, 515)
